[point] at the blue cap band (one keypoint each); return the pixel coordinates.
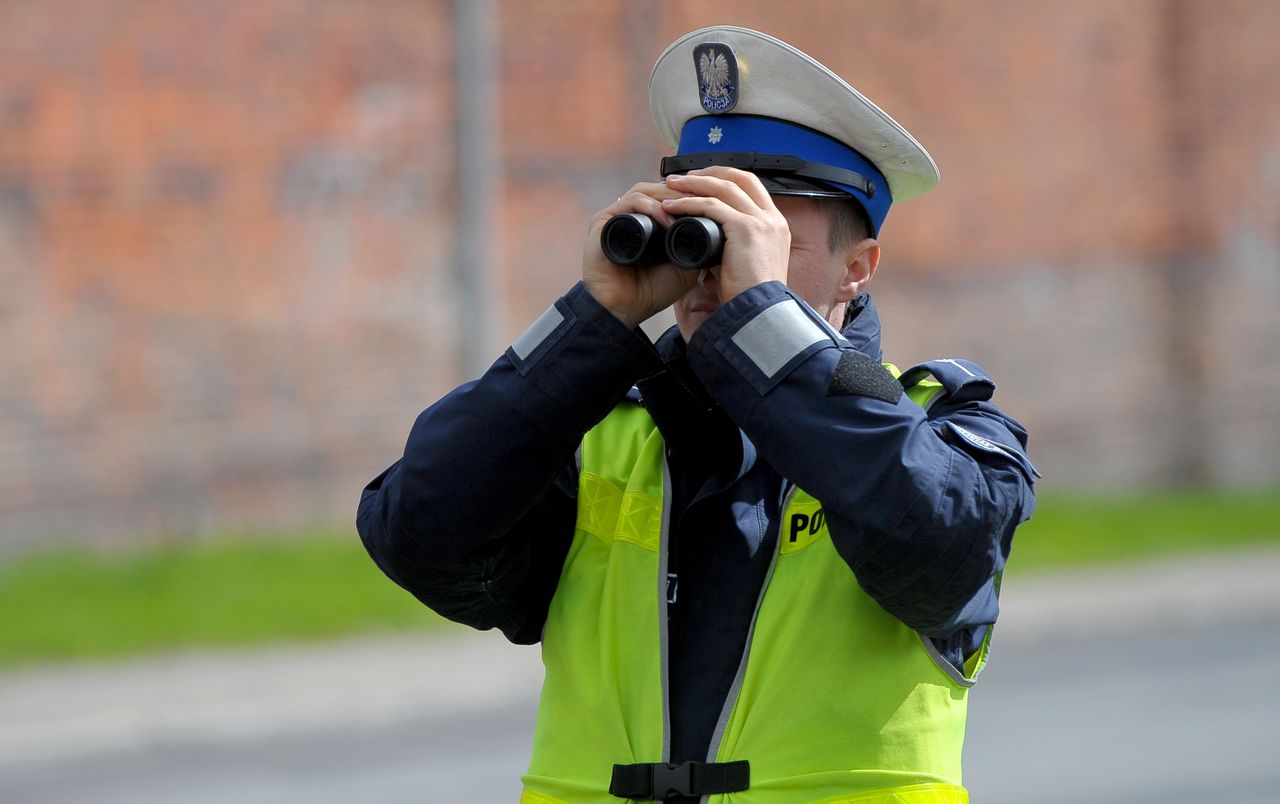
(737, 132)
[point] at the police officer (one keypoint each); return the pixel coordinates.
(762, 564)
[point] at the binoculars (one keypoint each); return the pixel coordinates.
(636, 240)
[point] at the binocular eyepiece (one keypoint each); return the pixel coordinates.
(633, 239)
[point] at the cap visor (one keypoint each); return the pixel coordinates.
(791, 185)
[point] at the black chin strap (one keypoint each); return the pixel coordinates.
(768, 163)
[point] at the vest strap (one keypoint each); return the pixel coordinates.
(656, 781)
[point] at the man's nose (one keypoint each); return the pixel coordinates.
(709, 278)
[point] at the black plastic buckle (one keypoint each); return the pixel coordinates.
(672, 780)
(658, 781)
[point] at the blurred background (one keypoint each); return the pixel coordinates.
(243, 244)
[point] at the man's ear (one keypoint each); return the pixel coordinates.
(861, 260)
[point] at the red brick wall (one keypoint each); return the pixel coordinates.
(222, 228)
(226, 229)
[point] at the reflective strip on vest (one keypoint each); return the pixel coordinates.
(837, 701)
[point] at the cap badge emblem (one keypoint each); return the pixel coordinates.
(714, 135)
(717, 76)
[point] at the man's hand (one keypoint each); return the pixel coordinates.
(757, 239)
(634, 294)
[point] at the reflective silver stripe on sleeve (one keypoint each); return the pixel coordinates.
(835, 334)
(537, 333)
(777, 335)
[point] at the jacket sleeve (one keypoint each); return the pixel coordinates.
(921, 504)
(476, 517)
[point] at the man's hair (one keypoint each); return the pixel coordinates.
(849, 224)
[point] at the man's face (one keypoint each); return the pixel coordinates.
(814, 272)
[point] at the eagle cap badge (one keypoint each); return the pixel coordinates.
(717, 70)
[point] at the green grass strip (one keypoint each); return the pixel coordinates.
(1074, 530)
(72, 605)
(77, 605)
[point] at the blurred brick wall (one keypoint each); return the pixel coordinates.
(223, 227)
(226, 230)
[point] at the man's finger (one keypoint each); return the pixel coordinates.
(639, 202)
(745, 180)
(705, 206)
(726, 190)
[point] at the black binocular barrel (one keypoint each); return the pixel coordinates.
(695, 243)
(633, 239)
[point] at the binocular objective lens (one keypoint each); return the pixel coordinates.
(625, 238)
(695, 243)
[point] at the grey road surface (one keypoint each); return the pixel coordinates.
(1131, 685)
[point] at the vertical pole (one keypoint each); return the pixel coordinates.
(479, 224)
(1186, 270)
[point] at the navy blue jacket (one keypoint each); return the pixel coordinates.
(476, 518)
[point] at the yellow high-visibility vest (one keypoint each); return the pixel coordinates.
(836, 701)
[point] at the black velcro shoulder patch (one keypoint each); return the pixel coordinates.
(858, 374)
